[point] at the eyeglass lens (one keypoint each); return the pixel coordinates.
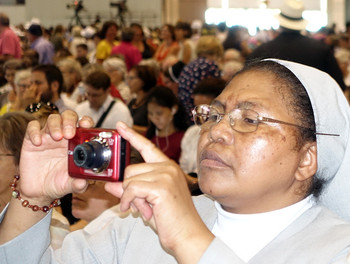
(242, 120)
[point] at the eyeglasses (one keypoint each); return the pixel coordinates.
(23, 86)
(130, 78)
(241, 120)
(32, 108)
(95, 95)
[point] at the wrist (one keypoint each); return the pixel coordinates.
(194, 248)
(35, 204)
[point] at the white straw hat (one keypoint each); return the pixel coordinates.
(291, 15)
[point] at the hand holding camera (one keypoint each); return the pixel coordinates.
(157, 188)
(44, 163)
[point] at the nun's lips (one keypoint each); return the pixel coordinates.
(210, 158)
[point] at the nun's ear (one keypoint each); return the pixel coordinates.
(308, 162)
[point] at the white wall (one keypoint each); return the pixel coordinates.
(53, 12)
(336, 13)
(148, 12)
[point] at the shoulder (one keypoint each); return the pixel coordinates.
(318, 235)
(120, 105)
(82, 106)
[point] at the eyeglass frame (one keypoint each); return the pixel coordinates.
(260, 119)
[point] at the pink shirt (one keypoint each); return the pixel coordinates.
(9, 44)
(132, 56)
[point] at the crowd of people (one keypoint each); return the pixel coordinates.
(271, 160)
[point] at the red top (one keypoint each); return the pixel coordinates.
(132, 56)
(170, 145)
(115, 92)
(163, 51)
(9, 44)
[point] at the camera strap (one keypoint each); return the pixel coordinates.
(103, 116)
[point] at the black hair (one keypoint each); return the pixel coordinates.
(83, 46)
(106, 26)
(210, 86)
(52, 74)
(171, 29)
(165, 97)
(127, 34)
(300, 105)
(82, 61)
(98, 80)
(138, 26)
(233, 38)
(185, 27)
(147, 75)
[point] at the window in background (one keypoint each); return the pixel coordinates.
(261, 17)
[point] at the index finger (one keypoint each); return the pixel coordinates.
(148, 151)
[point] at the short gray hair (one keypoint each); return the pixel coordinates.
(21, 75)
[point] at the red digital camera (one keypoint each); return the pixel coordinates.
(98, 154)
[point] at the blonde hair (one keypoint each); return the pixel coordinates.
(209, 45)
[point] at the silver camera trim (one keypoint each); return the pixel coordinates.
(107, 153)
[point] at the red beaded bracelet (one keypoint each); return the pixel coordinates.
(25, 203)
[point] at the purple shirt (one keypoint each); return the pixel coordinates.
(45, 50)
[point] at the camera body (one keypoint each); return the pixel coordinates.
(98, 154)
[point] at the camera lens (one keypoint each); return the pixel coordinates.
(91, 155)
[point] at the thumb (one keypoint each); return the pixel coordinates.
(148, 151)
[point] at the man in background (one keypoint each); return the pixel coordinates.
(100, 105)
(41, 45)
(47, 84)
(9, 43)
(291, 45)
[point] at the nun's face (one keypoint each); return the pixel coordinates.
(258, 171)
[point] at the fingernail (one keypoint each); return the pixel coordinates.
(36, 140)
(133, 208)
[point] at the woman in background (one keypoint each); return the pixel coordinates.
(141, 79)
(169, 46)
(104, 47)
(183, 33)
(116, 69)
(24, 96)
(168, 121)
(147, 50)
